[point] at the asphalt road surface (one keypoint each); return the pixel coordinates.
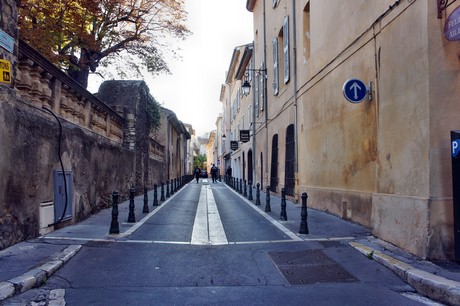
(209, 246)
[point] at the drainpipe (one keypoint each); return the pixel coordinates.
(296, 135)
(265, 97)
(254, 171)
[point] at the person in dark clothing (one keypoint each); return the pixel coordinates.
(229, 171)
(214, 173)
(197, 174)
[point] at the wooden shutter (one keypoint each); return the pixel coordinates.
(276, 82)
(286, 49)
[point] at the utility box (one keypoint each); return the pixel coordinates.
(46, 217)
(455, 151)
(62, 208)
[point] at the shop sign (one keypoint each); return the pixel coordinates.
(244, 135)
(452, 26)
(234, 145)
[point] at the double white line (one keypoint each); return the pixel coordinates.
(208, 228)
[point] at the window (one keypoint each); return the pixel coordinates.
(256, 93)
(286, 48)
(249, 115)
(238, 98)
(262, 87)
(306, 32)
(276, 83)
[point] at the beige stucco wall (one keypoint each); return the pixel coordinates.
(383, 163)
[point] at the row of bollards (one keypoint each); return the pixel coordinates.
(240, 186)
(172, 186)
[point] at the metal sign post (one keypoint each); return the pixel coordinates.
(455, 150)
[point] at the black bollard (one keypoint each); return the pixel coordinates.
(240, 189)
(155, 195)
(258, 194)
(114, 227)
(172, 187)
(167, 189)
(145, 209)
(131, 216)
(175, 185)
(162, 197)
(268, 208)
(245, 192)
(303, 215)
(283, 215)
(250, 191)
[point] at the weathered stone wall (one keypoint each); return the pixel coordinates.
(29, 157)
(133, 97)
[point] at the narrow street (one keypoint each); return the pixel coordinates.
(207, 245)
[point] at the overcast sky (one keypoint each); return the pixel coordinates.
(192, 90)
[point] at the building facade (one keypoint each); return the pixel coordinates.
(238, 115)
(385, 162)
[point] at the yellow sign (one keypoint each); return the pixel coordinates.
(5, 71)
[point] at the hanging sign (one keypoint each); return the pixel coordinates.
(244, 135)
(5, 71)
(452, 26)
(234, 145)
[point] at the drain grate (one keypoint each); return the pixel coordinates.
(309, 267)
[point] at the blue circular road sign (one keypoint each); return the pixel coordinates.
(354, 90)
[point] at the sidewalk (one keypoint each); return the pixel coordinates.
(29, 264)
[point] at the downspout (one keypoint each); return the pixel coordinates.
(265, 97)
(296, 135)
(253, 120)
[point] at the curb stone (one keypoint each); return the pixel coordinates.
(37, 276)
(435, 287)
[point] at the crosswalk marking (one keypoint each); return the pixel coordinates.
(208, 228)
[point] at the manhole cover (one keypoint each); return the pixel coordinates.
(309, 267)
(299, 257)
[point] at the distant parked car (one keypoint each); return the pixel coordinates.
(204, 173)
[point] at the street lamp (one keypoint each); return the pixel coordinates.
(224, 137)
(246, 86)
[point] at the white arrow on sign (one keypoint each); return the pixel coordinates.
(355, 87)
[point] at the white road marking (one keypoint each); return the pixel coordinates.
(281, 227)
(208, 228)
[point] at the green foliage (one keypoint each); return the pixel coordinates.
(82, 35)
(154, 114)
(199, 161)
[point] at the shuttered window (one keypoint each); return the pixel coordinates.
(262, 87)
(276, 83)
(286, 49)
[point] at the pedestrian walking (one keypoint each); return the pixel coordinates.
(229, 171)
(214, 173)
(197, 174)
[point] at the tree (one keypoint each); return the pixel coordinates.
(80, 35)
(199, 160)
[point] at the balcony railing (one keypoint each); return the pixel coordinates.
(42, 84)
